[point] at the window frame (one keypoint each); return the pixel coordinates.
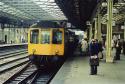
(49, 36)
(31, 40)
(53, 36)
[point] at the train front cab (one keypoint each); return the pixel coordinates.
(45, 45)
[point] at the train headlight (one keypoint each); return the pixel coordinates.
(33, 50)
(57, 52)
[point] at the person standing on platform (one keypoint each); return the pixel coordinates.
(118, 49)
(84, 47)
(112, 44)
(71, 46)
(100, 50)
(94, 60)
(124, 47)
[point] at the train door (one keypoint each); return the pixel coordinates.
(34, 36)
(57, 36)
(58, 41)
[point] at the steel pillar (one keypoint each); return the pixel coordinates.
(90, 33)
(2, 26)
(99, 34)
(109, 57)
(95, 34)
(9, 35)
(124, 31)
(14, 35)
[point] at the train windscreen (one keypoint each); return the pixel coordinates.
(57, 36)
(34, 35)
(45, 36)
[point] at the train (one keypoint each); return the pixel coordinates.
(48, 45)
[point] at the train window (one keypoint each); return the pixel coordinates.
(45, 37)
(34, 36)
(57, 36)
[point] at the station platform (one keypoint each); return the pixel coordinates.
(9, 45)
(76, 70)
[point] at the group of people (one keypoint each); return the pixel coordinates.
(94, 50)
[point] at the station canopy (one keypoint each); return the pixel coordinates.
(77, 12)
(31, 9)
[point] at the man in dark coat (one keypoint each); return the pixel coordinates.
(118, 49)
(100, 49)
(124, 47)
(94, 60)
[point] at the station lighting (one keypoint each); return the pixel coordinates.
(104, 4)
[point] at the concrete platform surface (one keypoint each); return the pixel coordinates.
(76, 70)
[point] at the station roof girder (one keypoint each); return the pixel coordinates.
(78, 11)
(118, 12)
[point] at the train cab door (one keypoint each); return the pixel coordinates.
(58, 41)
(33, 41)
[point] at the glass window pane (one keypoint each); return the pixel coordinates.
(45, 36)
(34, 35)
(57, 36)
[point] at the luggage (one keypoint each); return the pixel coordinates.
(94, 60)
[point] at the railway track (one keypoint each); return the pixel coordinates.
(44, 76)
(21, 76)
(30, 75)
(14, 64)
(13, 55)
(2, 55)
(10, 49)
(12, 61)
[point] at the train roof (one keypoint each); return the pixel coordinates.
(46, 24)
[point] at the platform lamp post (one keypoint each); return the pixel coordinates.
(9, 33)
(109, 57)
(89, 25)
